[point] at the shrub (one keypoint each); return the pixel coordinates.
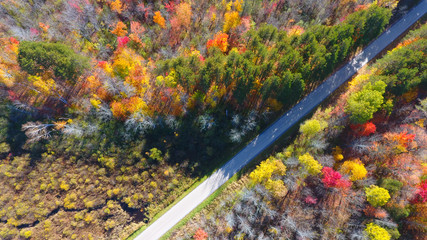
(26, 233)
(220, 41)
(365, 129)
(376, 232)
(394, 233)
(159, 19)
(392, 185)
(313, 167)
(332, 178)
(231, 20)
(377, 196)
(311, 127)
(266, 169)
(156, 154)
(397, 212)
(421, 193)
(200, 235)
(355, 168)
(109, 224)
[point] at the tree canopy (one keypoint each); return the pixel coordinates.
(38, 57)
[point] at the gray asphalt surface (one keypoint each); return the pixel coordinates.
(272, 133)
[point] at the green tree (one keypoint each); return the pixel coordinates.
(368, 23)
(392, 185)
(38, 57)
(363, 104)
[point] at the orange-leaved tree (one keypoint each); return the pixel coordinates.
(159, 19)
(220, 41)
(120, 30)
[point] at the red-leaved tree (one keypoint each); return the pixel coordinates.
(421, 193)
(365, 129)
(333, 178)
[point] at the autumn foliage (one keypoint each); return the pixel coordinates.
(364, 129)
(132, 100)
(159, 19)
(313, 167)
(220, 41)
(333, 178)
(200, 235)
(355, 168)
(377, 196)
(120, 30)
(421, 193)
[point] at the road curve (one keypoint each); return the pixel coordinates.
(272, 133)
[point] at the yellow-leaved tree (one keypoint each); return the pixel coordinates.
(265, 171)
(313, 167)
(231, 20)
(355, 168)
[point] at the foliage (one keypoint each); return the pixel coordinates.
(392, 185)
(421, 193)
(376, 232)
(364, 129)
(337, 153)
(333, 178)
(231, 20)
(38, 57)
(159, 19)
(156, 154)
(220, 41)
(183, 14)
(266, 169)
(355, 168)
(363, 104)
(377, 196)
(156, 106)
(200, 235)
(389, 150)
(311, 127)
(313, 167)
(117, 6)
(120, 30)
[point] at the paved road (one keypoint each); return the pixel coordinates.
(272, 133)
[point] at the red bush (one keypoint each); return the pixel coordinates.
(365, 129)
(421, 193)
(200, 235)
(122, 41)
(333, 178)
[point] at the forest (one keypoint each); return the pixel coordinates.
(355, 170)
(111, 110)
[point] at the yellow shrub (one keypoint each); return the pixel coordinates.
(376, 232)
(355, 168)
(313, 167)
(159, 19)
